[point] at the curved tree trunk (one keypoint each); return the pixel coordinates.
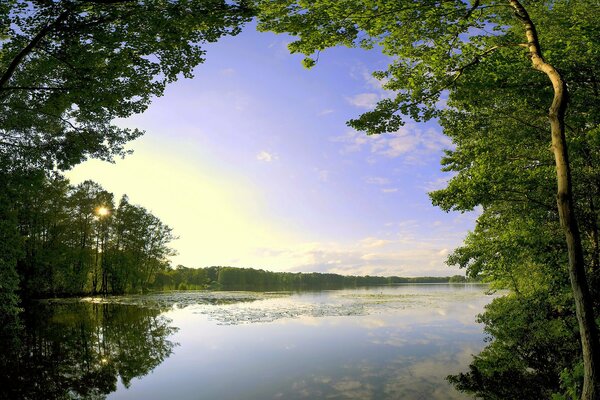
(583, 302)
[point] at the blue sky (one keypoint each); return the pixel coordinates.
(252, 164)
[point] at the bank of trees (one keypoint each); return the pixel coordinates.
(232, 278)
(515, 84)
(76, 240)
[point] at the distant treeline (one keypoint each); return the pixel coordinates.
(231, 278)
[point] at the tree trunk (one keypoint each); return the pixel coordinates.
(566, 210)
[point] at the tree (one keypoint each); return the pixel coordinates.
(137, 249)
(460, 50)
(83, 203)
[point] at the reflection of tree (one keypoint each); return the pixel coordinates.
(78, 350)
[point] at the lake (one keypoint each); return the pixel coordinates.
(396, 342)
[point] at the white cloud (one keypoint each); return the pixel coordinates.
(265, 156)
(389, 190)
(373, 82)
(364, 100)
(368, 100)
(436, 184)
(410, 142)
(323, 174)
(326, 111)
(402, 255)
(353, 141)
(376, 180)
(227, 71)
(373, 242)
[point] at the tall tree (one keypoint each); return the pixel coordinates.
(438, 47)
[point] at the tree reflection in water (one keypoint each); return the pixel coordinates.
(79, 350)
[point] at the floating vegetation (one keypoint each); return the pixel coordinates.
(169, 300)
(232, 315)
(342, 303)
(234, 308)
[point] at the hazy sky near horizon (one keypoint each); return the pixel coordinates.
(252, 165)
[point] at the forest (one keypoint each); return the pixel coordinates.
(78, 241)
(231, 278)
(513, 83)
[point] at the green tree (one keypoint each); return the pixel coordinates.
(138, 247)
(472, 53)
(84, 201)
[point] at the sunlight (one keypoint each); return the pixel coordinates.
(102, 211)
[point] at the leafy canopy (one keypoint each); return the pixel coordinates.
(69, 68)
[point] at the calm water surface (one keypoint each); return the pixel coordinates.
(376, 343)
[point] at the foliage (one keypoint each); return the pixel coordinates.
(533, 338)
(231, 278)
(69, 68)
(72, 249)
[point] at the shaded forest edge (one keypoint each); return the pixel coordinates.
(231, 278)
(76, 240)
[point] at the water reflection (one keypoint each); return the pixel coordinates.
(378, 343)
(80, 350)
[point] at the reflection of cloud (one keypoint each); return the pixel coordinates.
(352, 389)
(422, 378)
(390, 353)
(405, 377)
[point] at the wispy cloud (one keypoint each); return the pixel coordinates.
(265, 156)
(373, 242)
(326, 111)
(389, 190)
(323, 175)
(376, 89)
(364, 100)
(436, 184)
(227, 71)
(377, 180)
(410, 142)
(374, 83)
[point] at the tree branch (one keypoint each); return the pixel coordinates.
(30, 46)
